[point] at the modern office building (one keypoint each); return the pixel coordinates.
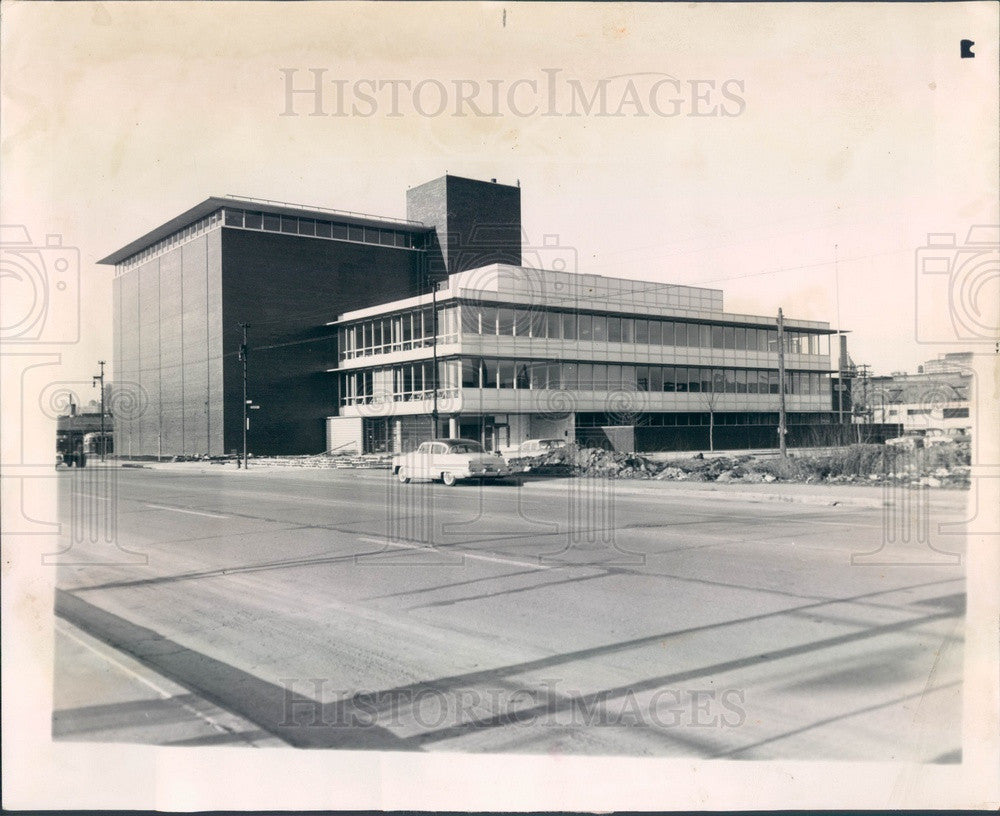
(523, 353)
(342, 308)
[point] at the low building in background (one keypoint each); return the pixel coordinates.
(935, 400)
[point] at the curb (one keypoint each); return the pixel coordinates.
(727, 495)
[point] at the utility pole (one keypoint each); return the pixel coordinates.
(781, 384)
(866, 414)
(434, 357)
(246, 419)
(99, 378)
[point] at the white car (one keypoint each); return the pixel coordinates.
(450, 460)
(536, 447)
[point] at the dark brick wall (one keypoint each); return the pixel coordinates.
(287, 288)
(476, 222)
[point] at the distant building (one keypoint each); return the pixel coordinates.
(934, 400)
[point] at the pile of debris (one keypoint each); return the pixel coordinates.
(855, 464)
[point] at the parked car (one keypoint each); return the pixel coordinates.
(450, 460)
(536, 447)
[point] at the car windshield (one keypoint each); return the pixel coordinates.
(550, 443)
(465, 447)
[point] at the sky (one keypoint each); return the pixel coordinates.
(812, 150)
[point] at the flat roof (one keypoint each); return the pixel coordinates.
(210, 205)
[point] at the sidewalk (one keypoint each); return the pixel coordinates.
(103, 695)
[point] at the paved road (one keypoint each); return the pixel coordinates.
(306, 608)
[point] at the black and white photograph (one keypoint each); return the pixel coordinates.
(500, 406)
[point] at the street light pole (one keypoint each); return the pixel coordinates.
(246, 419)
(99, 378)
(781, 384)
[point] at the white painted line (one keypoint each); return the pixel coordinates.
(465, 553)
(189, 512)
(166, 695)
(91, 496)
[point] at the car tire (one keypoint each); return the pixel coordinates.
(403, 475)
(448, 479)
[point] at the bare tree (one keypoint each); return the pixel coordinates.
(711, 399)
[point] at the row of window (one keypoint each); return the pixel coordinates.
(318, 228)
(174, 239)
(682, 418)
(600, 328)
(399, 332)
(414, 380)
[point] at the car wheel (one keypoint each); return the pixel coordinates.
(403, 475)
(449, 479)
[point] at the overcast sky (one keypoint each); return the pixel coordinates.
(845, 136)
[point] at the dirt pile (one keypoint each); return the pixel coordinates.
(945, 465)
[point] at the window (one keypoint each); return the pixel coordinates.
(253, 220)
(552, 370)
(505, 322)
(635, 379)
(600, 329)
(628, 330)
(706, 380)
(741, 338)
(488, 320)
(730, 381)
(600, 377)
(272, 223)
(668, 333)
(470, 374)
(536, 323)
(614, 329)
(505, 373)
(289, 224)
(585, 374)
(586, 327)
(522, 378)
(772, 382)
(655, 378)
(339, 231)
(569, 326)
(669, 379)
(694, 380)
(729, 334)
(234, 218)
(307, 226)
(488, 373)
(537, 376)
(642, 332)
(717, 337)
(616, 375)
(553, 323)
(741, 381)
(681, 380)
(570, 376)
(655, 333)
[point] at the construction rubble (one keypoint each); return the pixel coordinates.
(941, 466)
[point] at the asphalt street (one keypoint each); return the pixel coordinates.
(340, 609)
